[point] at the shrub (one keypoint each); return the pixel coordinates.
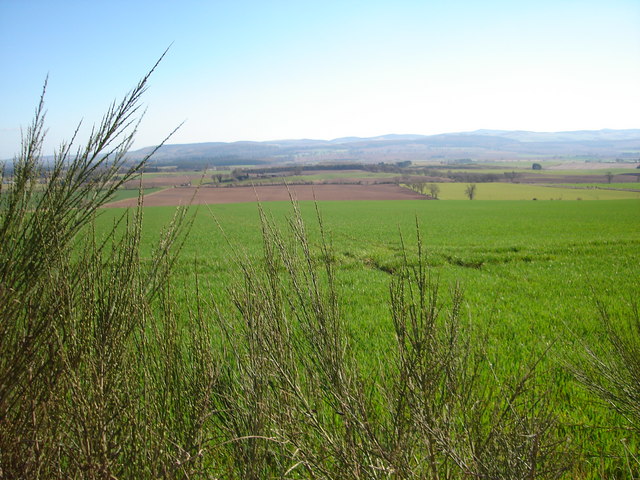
(612, 372)
(94, 381)
(298, 400)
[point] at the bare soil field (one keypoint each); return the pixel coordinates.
(271, 193)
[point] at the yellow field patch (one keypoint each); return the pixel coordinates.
(518, 191)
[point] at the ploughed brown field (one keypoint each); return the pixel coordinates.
(271, 193)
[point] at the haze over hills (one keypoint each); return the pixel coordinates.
(494, 145)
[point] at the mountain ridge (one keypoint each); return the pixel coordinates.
(483, 144)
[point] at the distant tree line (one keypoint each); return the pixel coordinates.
(202, 163)
(460, 174)
(305, 168)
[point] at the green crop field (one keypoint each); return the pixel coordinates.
(531, 271)
(553, 247)
(523, 261)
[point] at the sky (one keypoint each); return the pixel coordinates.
(267, 70)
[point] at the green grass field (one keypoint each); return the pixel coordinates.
(531, 272)
(533, 265)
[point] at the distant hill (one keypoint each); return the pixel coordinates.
(597, 145)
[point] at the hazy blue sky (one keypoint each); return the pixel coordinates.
(264, 70)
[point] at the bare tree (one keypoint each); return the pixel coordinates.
(470, 191)
(512, 176)
(609, 176)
